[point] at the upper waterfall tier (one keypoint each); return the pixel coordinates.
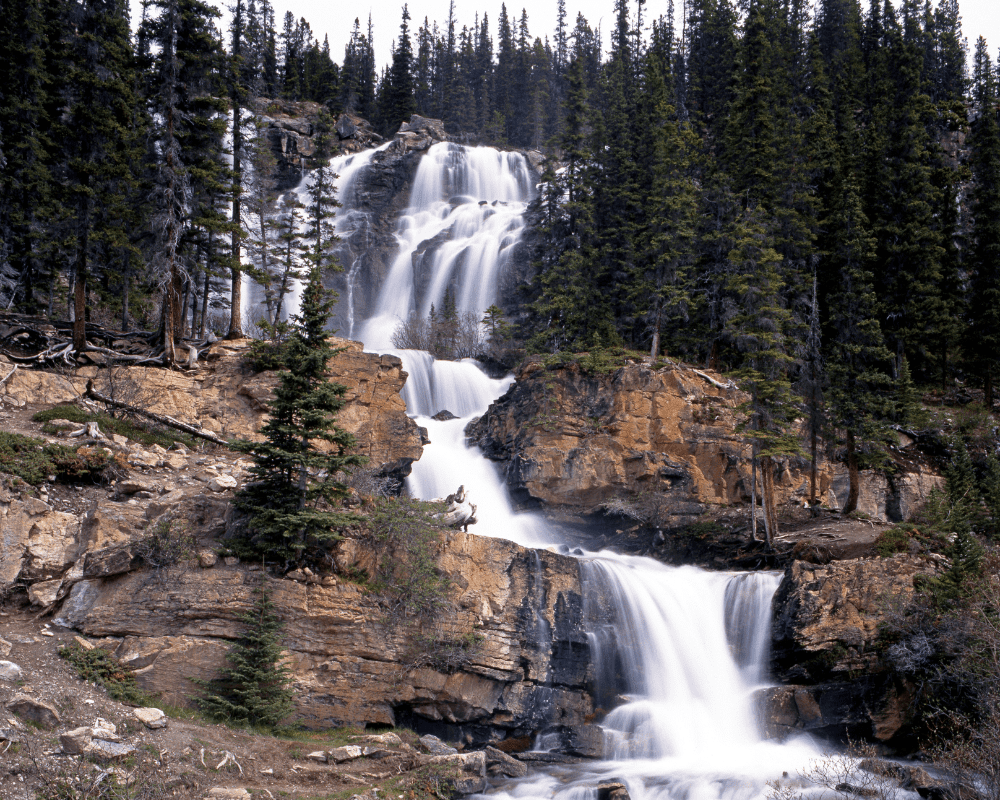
(464, 216)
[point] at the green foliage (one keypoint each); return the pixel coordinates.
(894, 540)
(256, 687)
(292, 498)
(170, 543)
(136, 431)
(33, 461)
(100, 667)
(405, 539)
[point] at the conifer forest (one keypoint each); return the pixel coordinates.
(806, 197)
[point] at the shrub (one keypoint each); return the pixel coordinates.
(894, 540)
(138, 431)
(100, 667)
(405, 539)
(170, 543)
(33, 461)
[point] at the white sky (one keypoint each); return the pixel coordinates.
(979, 17)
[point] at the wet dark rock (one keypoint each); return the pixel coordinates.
(612, 790)
(499, 764)
(444, 416)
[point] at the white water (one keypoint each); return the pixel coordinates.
(473, 197)
(685, 648)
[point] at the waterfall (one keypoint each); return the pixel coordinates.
(677, 651)
(471, 199)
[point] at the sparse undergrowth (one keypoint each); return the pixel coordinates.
(137, 431)
(99, 666)
(35, 461)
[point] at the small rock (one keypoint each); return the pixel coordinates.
(612, 790)
(34, 710)
(222, 483)
(152, 718)
(231, 561)
(348, 752)
(132, 486)
(105, 730)
(9, 735)
(318, 755)
(5, 647)
(10, 672)
(86, 645)
(106, 749)
(207, 559)
(465, 771)
(444, 415)
(499, 763)
(376, 752)
(228, 794)
(436, 747)
(118, 439)
(76, 741)
(389, 739)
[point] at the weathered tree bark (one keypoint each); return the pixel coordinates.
(853, 475)
(170, 422)
(767, 496)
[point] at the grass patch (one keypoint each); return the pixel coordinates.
(600, 361)
(33, 461)
(131, 429)
(100, 667)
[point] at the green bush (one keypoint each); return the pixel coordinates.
(33, 461)
(100, 667)
(894, 540)
(405, 539)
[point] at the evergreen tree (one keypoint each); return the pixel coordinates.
(983, 331)
(399, 102)
(857, 354)
(291, 500)
(256, 687)
(758, 329)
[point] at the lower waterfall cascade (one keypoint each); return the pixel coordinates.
(678, 651)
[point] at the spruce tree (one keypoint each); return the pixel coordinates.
(983, 331)
(256, 687)
(295, 488)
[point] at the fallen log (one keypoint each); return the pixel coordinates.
(170, 422)
(460, 512)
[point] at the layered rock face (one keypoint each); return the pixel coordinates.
(661, 443)
(516, 614)
(225, 398)
(825, 646)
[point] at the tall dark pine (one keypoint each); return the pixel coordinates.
(399, 100)
(98, 95)
(983, 333)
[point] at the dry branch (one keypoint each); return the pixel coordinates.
(170, 422)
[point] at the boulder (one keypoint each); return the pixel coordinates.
(465, 773)
(152, 718)
(612, 790)
(10, 672)
(435, 746)
(349, 752)
(106, 750)
(498, 763)
(76, 741)
(44, 593)
(42, 714)
(318, 756)
(388, 739)
(74, 609)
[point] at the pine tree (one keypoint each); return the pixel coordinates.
(294, 487)
(758, 329)
(256, 687)
(857, 355)
(983, 332)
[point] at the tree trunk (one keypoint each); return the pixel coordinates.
(852, 471)
(236, 273)
(813, 448)
(80, 293)
(753, 495)
(767, 495)
(988, 388)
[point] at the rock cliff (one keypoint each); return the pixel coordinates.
(658, 445)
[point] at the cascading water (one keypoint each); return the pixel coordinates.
(472, 197)
(677, 651)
